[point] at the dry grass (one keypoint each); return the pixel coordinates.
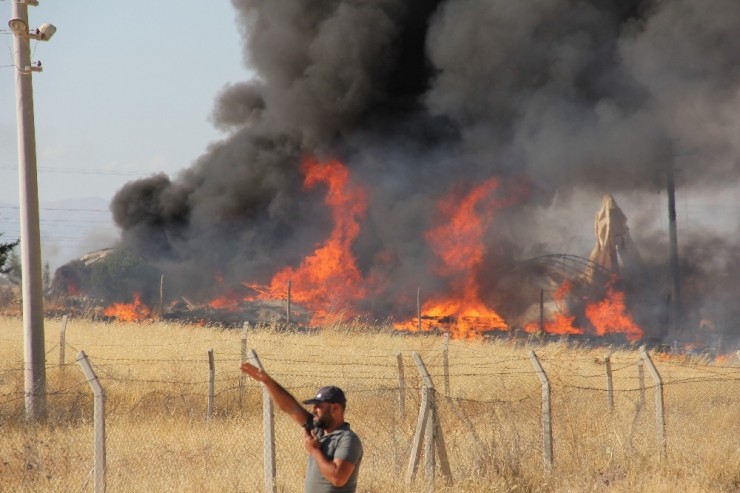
(155, 376)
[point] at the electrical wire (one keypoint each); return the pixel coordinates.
(65, 209)
(82, 171)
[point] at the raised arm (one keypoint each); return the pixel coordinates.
(284, 399)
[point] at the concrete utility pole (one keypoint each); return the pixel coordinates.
(32, 287)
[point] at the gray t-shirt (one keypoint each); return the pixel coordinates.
(343, 444)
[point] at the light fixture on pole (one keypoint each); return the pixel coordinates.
(43, 33)
(18, 27)
(34, 354)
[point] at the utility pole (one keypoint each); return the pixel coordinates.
(32, 288)
(676, 315)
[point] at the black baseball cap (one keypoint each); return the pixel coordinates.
(328, 394)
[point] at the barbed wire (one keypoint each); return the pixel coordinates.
(534, 388)
(533, 395)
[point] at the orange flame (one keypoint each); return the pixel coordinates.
(457, 243)
(128, 312)
(609, 316)
(229, 301)
(561, 323)
(328, 280)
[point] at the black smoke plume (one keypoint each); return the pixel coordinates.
(588, 96)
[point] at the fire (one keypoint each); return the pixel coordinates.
(128, 312)
(457, 243)
(230, 301)
(328, 280)
(609, 316)
(562, 322)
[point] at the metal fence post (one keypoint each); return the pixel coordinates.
(99, 421)
(242, 377)
(609, 383)
(429, 425)
(268, 421)
(446, 363)
(546, 413)
(211, 382)
(401, 387)
(641, 383)
(62, 337)
(659, 410)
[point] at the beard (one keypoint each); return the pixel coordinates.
(323, 422)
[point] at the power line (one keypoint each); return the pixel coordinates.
(82, 171)
(96, 221)
(15, 207)
(61, 239)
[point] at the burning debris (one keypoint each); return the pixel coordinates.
(387, 146)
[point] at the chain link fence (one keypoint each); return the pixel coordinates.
(160, 436)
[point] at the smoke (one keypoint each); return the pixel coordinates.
(558, 98)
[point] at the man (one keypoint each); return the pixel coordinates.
(334, 451)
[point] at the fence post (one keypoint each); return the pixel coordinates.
(659, 411)
(418, 435)
(160, 308)
(211, 382)
(546, 414)
(429, 424)
(641, 382)
(401, 387)
(62, 337)
(268, 421)
(446, 363)
(98, 420)
(242, 377)
(609, 382)
(542, 311)
(418, 308)
(287, 305)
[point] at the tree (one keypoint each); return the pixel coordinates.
(6, 254)
(13, 269)
(47, 277)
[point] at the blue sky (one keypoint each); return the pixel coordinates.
(126, 91)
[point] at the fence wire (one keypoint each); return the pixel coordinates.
(159, 435)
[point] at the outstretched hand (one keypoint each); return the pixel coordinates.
(310, 441)
(254, 372)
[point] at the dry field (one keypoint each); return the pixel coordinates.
(158, 438)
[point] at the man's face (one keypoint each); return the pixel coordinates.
(323, 414)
